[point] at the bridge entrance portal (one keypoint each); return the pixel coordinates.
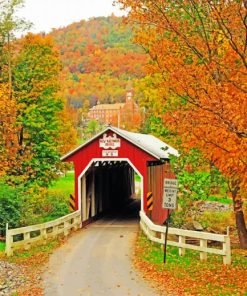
(108, 186)
(109, 166)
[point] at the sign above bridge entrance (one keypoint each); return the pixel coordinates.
(110, 142)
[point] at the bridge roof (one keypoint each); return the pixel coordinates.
(148, 143)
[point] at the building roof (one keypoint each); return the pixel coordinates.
(108, 106)
(148, 143)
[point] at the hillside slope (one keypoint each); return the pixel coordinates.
(98, 60)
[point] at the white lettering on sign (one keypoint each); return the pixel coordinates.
(110, 142)
(170, 194)
(107, 153)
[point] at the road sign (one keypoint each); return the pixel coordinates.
(170, 194)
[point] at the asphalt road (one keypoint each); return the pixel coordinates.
(97, 261)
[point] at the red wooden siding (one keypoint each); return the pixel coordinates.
(127, 150)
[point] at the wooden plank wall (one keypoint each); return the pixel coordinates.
(156, 172)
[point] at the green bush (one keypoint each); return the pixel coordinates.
(216, 221)
(19, 208)
(10, 207)
(178, 218)
(44, 206)
(58, 204)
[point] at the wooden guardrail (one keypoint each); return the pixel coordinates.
(24, 237)
(156, 234)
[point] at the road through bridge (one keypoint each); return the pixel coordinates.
(97, 260)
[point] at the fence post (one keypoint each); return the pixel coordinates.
(203, 254)
(181, 240)
(44, 235)
(66, 225)
(9, 241)
(55, 230)
(162, 236)
(227, 249)
(74, 223)
(26, 237)
(77, 222)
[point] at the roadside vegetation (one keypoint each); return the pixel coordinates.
(188, 275)
(36, 207)
(195, 91)
(25, 269)
(2, 246)
(65, 184)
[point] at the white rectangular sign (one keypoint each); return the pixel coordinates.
(171, 183)
(109, 153)
(170, 194)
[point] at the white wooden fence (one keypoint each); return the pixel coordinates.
(156, 234)
(24, 237)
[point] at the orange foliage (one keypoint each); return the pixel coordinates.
(98, 58)
(200, 52)
(8, 128)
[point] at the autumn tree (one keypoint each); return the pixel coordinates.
(39, 114)
(198, 49)
(9, 25)
(8, 129)
(98, 58)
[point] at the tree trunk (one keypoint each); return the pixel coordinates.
(241, 227)
(239, 216)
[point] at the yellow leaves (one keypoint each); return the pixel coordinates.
(202, 88)
(68, 134)
(8, 130)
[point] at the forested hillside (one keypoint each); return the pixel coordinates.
(99, 58)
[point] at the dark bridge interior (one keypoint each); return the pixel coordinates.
(110, 190)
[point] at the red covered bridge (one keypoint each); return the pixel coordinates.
(105, 168)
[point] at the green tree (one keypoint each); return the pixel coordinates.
(93, 127)
(35, 87)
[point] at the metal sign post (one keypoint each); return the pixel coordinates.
(166, 223)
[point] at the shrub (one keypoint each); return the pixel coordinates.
(57, 204)
(19, 208)
(10, 207)
(216, 221)
(44, 206)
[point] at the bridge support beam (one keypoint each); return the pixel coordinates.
(83, 199)
(93, 209)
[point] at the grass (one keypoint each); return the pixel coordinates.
(188, 275)
(224, 200)
(64, 184)
(36, 251)
(137, 178)
(2, 246)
